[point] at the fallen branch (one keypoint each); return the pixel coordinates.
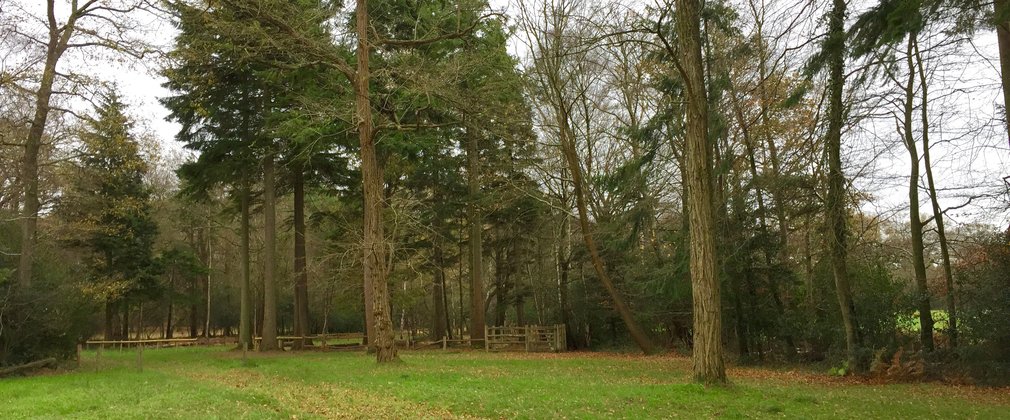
(27, 366)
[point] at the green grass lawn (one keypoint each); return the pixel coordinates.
(215, 383)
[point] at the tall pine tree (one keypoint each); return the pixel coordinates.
(108, 208)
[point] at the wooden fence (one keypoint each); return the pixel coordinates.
(325, 340)
(530, 338)
(165, 342)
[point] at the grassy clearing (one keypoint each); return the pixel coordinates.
(214, 383)
(909, 323)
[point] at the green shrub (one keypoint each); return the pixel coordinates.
(984, 296)
(46, 320)
(984, 289)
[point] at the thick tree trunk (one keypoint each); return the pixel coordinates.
(1003, 38)
(245, 293)
(477, 310)
(564, 269)
(915, 221)
(520, 311)
(195, 291)
(168, 317)
(937, 211)
(301, 315)
(501, 281)
(56, 46)
(707, 358)
(447, 325)
(257, 307)
(374, 246)
(368, 294)
(124, 328)
(140, 321)
(110, 315)
(269, 341)
(459, 286)
(438, 291)
(835, 203)
(206, 284)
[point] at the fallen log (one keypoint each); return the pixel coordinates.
(27, 366)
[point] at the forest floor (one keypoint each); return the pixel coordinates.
(216, 383)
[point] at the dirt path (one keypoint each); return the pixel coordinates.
(311, 400)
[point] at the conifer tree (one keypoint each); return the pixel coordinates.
(108, 209)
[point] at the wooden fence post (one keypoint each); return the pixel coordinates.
(564, 337)
(140, 357)
(487, 339)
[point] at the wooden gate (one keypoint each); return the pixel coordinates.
(528, 338)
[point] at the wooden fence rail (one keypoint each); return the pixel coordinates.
(165, 342)
(311, 339)
(172, 342)
(530, 338)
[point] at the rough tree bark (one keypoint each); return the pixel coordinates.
(835, 203)
(564, 266)
(269, 337)
(374, 246)
(110, 314)
(124, 328)
(501, 281)
(206, 290)
(1003, 38)
(439, 323)
(194, 282)
(245, 291)
(914, 219)
(301, 315)
(59, 37)
(169, 328)
(707, 358)
(477, 314)
(206, 284)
